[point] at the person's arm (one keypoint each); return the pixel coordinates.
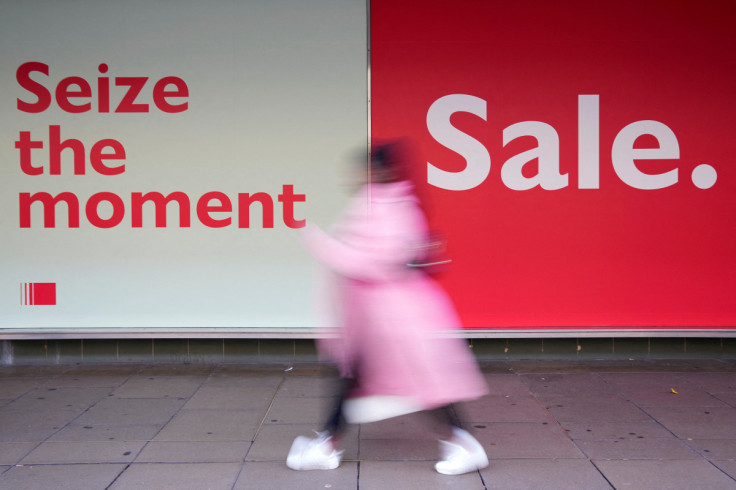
(373, 258)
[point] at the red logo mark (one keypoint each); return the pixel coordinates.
(38, 293)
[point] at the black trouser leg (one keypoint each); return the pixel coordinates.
(336, 422)
(449, 418)
(446, 415)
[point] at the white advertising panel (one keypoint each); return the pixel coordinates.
(158, 159)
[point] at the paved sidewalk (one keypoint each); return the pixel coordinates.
(547, 424)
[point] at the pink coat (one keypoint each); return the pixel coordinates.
(395, 321)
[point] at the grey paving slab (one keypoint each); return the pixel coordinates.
(618, 365)
(211, 425)
(12, 452)
(177, 476)
(111, 375)
(600, 408)
(244, 380)
(506, 408)
(11, 388)
(274, 441)
(495, 367)
(623, 449)
(728, 467)
(275, 475)
(311, 369)
(80, 433)
(712, 382)
(60, 477)
(727, 398)
(714, 449)
(657, 388)
(307, 410)
(75, 398)
(308, 386)
(685, 396)
(544, 425)
(91, 380)
(543, 474)
(506, 384)
(652, 380)
(194, 452)
(382, 475)
(399, 450)
(144, 386)
(131, 411)
(231, 398)
(687, 365)
(30, 371)
(246, 375)
(84, 452)
(101, 369)
(32, 426)
(177, 369)
(598, 431)
(671, 475)
(553, 384)
(525, 440)
(547, 366)
(418, 425)
(697, 422)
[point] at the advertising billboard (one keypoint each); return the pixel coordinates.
(578, 156)
(159, 158)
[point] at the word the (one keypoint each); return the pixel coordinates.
(98, 155)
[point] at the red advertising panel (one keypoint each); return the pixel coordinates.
(578, 155)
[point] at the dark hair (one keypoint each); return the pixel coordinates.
(389, 157)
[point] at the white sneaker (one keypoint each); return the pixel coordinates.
(461, 458)
(313, 453)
